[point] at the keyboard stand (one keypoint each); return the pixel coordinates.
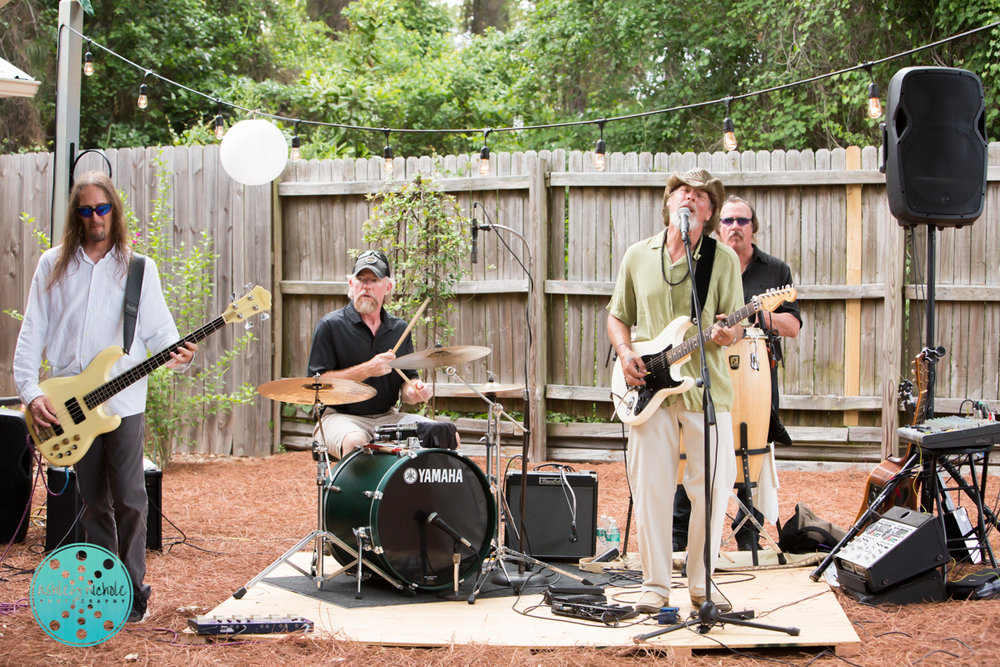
(934, 490)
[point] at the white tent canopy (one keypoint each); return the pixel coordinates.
(14, 82)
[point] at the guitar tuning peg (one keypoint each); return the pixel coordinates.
(232, 296)
(248, 325)
(264, 317)
(248, 287)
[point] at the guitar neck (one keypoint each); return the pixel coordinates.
(678, 352)
(133, 375)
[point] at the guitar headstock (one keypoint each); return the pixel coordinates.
(255, 302)
(773, 298)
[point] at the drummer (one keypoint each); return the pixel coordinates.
(355, 343)
(760, 273)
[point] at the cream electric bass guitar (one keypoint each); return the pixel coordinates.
(78, 400)
(664, 355)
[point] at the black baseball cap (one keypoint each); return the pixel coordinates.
(373, 260)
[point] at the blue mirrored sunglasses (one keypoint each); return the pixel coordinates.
(89, 211)
(735, 221)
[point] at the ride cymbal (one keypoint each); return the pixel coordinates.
(328, 391)
(440, 356)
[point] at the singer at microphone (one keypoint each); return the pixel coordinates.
(684, 223)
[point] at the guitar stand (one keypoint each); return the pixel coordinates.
(321, 538)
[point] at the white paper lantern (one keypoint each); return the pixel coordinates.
(254, 152)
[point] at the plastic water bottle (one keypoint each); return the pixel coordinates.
(612, 535)
(602, 535)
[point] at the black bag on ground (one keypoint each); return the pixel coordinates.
(438, 435)
(805, 532)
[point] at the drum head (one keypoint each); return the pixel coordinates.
(404, 494)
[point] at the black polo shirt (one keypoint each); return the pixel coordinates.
(342, 339)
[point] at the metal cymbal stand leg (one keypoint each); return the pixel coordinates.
(320, 537)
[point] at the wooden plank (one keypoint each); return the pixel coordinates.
(372, 185)
(578, 178)
(538, 170)
(852, 311)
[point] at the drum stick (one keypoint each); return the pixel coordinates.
(420, 311)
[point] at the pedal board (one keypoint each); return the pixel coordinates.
(232, 626)
(608, 614)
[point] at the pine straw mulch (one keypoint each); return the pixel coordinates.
(238, 515)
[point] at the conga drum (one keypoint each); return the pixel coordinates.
(750, 374)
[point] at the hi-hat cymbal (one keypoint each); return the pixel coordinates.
(440, 356)
(495, 388)
(331, 391)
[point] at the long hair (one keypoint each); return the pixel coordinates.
(73, 231)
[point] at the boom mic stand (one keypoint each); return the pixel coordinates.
(708, 615)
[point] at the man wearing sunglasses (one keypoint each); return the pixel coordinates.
(355, 343)
(75, 310)
(760, 272)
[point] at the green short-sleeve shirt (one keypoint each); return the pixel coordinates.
(642, 299)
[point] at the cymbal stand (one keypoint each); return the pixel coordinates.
(321, 537)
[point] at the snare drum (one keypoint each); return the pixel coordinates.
(393, 495)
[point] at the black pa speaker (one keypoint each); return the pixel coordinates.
(934, 143)
(897, 559)
(549, 522)
(15, 476)
(62, 525)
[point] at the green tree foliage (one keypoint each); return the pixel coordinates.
(411, 64)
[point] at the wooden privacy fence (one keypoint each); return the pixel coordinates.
(860, 284)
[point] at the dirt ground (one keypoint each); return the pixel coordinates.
(226, 519)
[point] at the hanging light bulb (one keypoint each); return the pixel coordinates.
(387, 155)
(88, 61)
(143, 101)
(600, 150)
(296, 144)
(484, 155)
(728, 130)
(220, 127)
(874, 104)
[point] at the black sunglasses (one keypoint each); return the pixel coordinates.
(737, 221)
(89, 211)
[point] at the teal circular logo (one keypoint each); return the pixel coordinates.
(81, 595)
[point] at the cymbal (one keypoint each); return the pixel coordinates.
(433, 357)
(495, 388)
(332, 391)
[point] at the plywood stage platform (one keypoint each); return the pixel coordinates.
(779, 597)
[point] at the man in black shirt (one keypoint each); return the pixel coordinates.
(355, 343)
(760, 272)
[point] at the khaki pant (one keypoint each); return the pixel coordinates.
(653, 456)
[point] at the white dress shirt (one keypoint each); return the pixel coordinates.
(69, 323)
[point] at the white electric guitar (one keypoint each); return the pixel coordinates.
(78, 400)
(664, 355)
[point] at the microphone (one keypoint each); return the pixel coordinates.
(475, 238)
(434, 519)
(684, 221)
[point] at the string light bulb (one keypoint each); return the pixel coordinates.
(296, 143)
(143, 101)
(220, 127)
(484, 155)
(728, 130)
(387, 155)
(88, 61)
(600, 149)
(874, 104)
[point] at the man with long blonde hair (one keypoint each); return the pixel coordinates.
(75, 310)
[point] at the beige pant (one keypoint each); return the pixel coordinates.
(336, 426)
(653, 455)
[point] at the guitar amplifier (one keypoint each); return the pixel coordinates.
(15, 476)
(548, 524)
(62, 524)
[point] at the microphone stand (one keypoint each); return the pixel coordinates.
(708, 615)
(525, 436)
